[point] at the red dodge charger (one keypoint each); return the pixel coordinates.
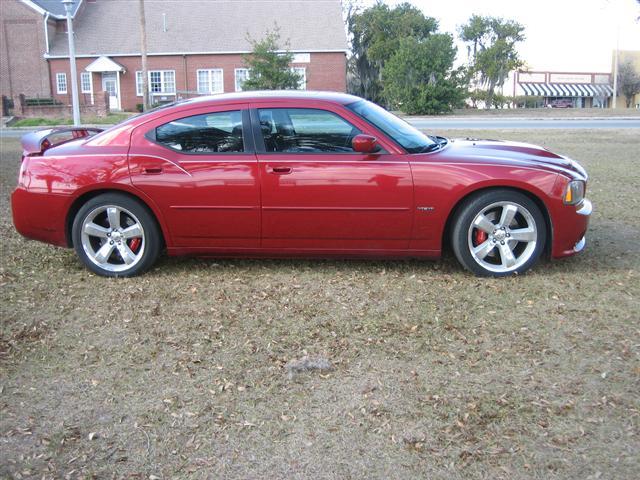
(294, 174)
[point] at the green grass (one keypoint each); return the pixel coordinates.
(436, 374)
(40, 122)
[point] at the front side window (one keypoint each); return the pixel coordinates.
(305, 130)
(219, 132)
(61, 82)
(412, 139)
(210, 81)
(85, 82)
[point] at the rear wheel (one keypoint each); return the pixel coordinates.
(499, 233)
(116, 236)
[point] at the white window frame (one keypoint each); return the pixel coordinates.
(139, 84)
(209, 87)
(60, 79)
(239, 87)
(163, 91)
(84, 75)
(302, 71)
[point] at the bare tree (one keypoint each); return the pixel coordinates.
(143, 51)
(628, 81)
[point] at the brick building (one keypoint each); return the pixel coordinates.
(194, 47)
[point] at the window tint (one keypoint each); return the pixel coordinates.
(209, 133)
(302, 130)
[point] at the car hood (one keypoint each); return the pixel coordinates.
(508, 153)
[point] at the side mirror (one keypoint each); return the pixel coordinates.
(364, 143)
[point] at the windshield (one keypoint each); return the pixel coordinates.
(411, 139)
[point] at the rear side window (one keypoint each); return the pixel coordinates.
(219, 132)
(305, 130)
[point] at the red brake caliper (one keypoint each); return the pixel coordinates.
(480, 236)
(135, 244)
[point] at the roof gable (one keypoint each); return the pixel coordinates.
(104, 64)
(205, 26)
(54, 7)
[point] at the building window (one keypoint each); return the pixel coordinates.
(139, 84)
(242, 75)
(61, 82)
(85, 82)
(210, 81)
(160, 81)
(302, 74)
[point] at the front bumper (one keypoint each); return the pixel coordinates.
(570, 227)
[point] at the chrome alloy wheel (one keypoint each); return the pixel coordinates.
(502, 237)
(113, 238)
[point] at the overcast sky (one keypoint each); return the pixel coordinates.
(562, 35)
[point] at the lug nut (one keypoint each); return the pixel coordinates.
(502, 243)
(111, 242)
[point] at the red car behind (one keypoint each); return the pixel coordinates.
(294, 174)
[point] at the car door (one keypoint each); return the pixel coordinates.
(199, 167)
(317, 193)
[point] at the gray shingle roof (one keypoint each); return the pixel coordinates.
(111, 27)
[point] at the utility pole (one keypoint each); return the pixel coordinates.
(143, 51)
(615, 70)
(68, 6)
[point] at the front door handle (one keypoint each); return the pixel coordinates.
(280, 170)
(152, 170)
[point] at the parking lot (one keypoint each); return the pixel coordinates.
(181, 373)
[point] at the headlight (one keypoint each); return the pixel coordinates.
(574, 192)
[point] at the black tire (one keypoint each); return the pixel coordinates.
(99, 246)
(528, 223)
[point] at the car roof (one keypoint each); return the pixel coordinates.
(124, 127)
(262, 95)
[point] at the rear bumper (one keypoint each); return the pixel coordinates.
(570, 228)
(40, 216)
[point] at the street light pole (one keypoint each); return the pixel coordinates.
(615, 70)
(68, 6)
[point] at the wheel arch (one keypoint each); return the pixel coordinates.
(76, 205)
(446, 233)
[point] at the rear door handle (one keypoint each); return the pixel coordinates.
(280, 170)
(152, 170)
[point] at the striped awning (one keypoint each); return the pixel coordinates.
(566, 89)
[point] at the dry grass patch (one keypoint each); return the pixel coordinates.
(182, 373)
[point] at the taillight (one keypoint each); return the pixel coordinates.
(22, 172)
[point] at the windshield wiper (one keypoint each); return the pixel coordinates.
(431, 148)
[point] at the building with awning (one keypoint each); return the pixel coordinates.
(577, 90)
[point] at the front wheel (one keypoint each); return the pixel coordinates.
(499, 233)
(116, 236)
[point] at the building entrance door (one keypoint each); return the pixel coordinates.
(110, 85)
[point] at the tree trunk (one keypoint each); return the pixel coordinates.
(489, 101)
(143, 51)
